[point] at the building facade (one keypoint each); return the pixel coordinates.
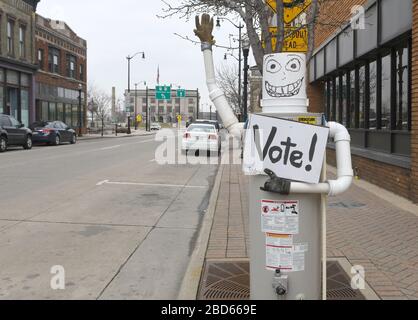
(62, 76)
(364, 74)
(17, 59)
(164, 111)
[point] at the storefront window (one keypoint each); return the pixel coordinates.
(362, 96)
(386, 89)
(68, 120)
(344, 99)
(60, 111)
(24, 102)
(75, 116)
(373, 96)
(352, 123)
(1, 99)
(45, 112)
(12, 77)
(337, 99)
(402, 88)
(52, 111)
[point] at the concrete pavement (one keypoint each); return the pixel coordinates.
(128, 238)
(367, 226)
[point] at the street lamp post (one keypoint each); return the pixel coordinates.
(239, 27)
(129, 58)
(246, 51)
(80, 121)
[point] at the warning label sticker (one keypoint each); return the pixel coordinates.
(279, 240)
(280, 217)
(286, 258)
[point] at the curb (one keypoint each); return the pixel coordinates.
(114, 137)
(190, 284)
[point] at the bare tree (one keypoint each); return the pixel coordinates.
(258, 17)
(227, 77)
(102, 105)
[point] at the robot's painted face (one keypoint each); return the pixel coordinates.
(283, 75)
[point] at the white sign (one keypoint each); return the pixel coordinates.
(292, 150)
(280, 217)
(285, 258)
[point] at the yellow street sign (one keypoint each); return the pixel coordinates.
(293, 8)
(179, 118)
(307, 120)
(139, 118)
(296, 41)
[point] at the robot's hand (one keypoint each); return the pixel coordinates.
(204, 29)
(275, 184)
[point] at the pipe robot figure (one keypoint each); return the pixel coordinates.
(284, 91)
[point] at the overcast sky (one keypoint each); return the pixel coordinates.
(116, 29)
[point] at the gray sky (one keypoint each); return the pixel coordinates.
(116, 29)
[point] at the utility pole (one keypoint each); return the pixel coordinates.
(136, 95)
(147, 115)
(197, 106)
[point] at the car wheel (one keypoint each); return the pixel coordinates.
(57, 140)
(3, 144)
(28, 143)
(73, 139)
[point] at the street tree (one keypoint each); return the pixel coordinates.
(227, 77)
(102, 105)
(258, 17)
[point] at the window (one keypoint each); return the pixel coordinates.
(10, 37)
(41, 58)
(81, 72)
(22, 41)
(362, 97)
(402, 88)
(52, 111)
(344, 99)
(53, 60)
(373, 96)
(71, 62)
(386, 89)
(353, 96)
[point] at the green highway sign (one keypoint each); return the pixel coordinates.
(163, 92)
(181, 93)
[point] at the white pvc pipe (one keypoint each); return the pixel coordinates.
(218, 98)
(344, 166)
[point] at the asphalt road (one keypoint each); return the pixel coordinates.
(121, 225)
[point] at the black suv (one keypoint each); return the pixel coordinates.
(13, 133)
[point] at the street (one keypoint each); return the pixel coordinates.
(121, 225)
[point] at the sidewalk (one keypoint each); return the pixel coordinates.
(120, 135)
(378, 232)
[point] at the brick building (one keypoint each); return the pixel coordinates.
(364, 74)
(62, 74)
(17, 58)
(164, 111)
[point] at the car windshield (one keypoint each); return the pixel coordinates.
(201, 128)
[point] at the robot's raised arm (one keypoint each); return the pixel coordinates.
(204, 32)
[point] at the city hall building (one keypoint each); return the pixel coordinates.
(364, 74)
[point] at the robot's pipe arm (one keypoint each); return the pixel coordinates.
(217, 96)
(331, 187)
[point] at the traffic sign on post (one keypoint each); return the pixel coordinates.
(296, 41)
(181, 93)
(162, 92)
(292, 8)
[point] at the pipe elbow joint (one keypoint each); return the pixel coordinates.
(342, 184)
(339, 132)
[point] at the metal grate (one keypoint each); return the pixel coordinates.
(230, 280)
(339, 284)
(225, 280)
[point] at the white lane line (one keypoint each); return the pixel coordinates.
(153, 160)
(101, 183)
(110, 148)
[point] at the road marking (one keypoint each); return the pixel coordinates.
(153, 160)
(101, 183)
(110, 148)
